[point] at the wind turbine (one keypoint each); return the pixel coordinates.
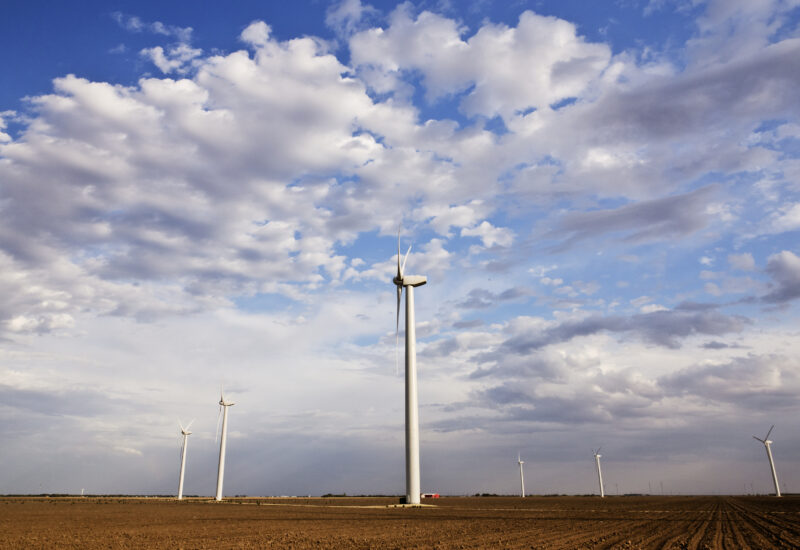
(186, 433)
(597, 456)
(521, 478)
(412, 407)
(766, 441)
(221, 471)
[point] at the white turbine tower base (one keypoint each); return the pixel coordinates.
(767, 442)
(597, 456)
(412, 407)
(186, 433)
(222, 442)
(521, 477)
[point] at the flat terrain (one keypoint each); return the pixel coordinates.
(487, 522)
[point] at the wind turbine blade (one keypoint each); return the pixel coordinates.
(769, 432)
(399, 272)
(758, 439)
(189, 425)
(403, 269)
(598, 450)
(181, 424)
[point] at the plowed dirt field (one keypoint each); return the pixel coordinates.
(488, 522)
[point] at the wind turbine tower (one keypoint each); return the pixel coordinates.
(223, 440)
(412, 407)
(521, 478)
(186, 433)
(766, 441)
(597, 456)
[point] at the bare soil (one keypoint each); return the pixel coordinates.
(487, 522)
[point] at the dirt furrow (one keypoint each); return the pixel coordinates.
(670, 530)
(771, 529)
(730, 534)
(545, 523)
(705, 529)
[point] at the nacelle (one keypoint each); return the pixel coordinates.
(414, 280)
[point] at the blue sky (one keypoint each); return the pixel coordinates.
(604, 196)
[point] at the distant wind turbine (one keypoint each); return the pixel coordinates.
(412, 407)
(221, 470)
(186, 433)
(597, 456)
(521, 478)
(766, 441)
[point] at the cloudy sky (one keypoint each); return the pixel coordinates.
(604, 196)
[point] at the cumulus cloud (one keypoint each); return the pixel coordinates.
(786, 218)
(345, 16)
(558, 63)
(784, 268)
(144, 172)
(175, 59)
(754, 382)
(257, 34)
(490, 235)
(545, 389)
(4, 115)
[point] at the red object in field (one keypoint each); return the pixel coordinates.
(430, 495)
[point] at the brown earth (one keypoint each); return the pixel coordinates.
(455, 522)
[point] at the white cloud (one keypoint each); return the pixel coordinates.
(345, 16)
(135, 24)
(786, 218)
(558, 64)
(489, 234)
(257, 33)
(460, 216)
(174, 60)
(641, 301)
(651, 308)
(551, 282)
(3, 125)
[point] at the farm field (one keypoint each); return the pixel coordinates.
(680, 522)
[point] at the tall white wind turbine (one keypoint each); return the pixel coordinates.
(597, 456)
(186, 433)
(521, 478)
(766, 441)
(223, 440)
(412, 408)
